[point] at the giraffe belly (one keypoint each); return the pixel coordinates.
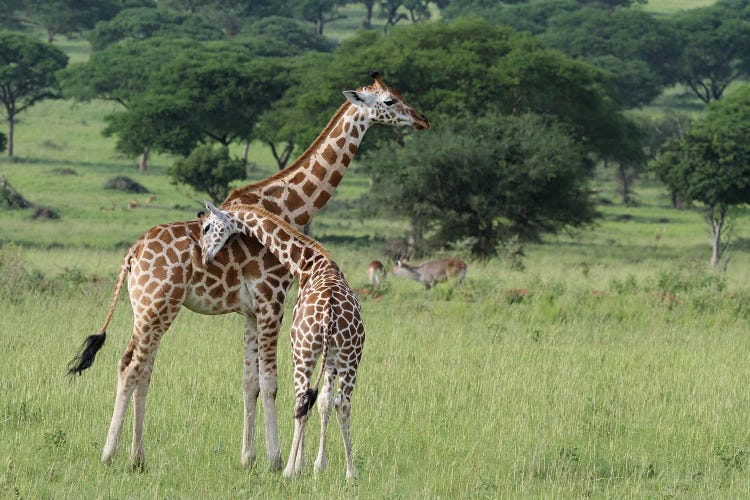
(212, 296)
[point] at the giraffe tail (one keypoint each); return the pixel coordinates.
(311, 394)
(92, 344)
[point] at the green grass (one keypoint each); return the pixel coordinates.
(673, 6)
(612, 365)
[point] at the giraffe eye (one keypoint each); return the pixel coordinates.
(389, 102)
(206, 228)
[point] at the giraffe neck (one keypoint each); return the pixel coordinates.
(298, 253)
(299, 191)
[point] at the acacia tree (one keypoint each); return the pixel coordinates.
(488, 178)
(716, 43)
(27, 75)
(122, 73)
(710, 163)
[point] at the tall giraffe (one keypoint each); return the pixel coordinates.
(327, 319)
(165, 272)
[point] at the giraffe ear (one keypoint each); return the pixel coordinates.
(359, 98)
(218, 213)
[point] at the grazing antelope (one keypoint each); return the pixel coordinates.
(133, 204)
(327, 319)
(151, 199)
(376, 272)
(434, 271)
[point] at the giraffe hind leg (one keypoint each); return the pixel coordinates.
(325, 406)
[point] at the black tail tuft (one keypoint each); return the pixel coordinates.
(85, 358)
(306, 403)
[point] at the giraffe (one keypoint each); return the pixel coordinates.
(327, 318)
(165, 272)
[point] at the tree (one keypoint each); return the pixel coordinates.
(639, 50)
(488, 178)
(716, 43)
(710, 164)
(70, 16)
(320, 12)
(147, 22)
(208, 169)
(122, 73)
(27, 75)
(212, 92)
(463, 66)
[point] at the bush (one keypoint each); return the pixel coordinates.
(123, 183)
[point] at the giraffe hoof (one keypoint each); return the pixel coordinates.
(275, 463)
(248, 460)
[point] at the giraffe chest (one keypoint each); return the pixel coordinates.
(244, 278)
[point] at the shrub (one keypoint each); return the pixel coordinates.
(123, 183)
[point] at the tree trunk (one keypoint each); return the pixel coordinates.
(245, 151)
(622, 173)
(10, 133)
(717, 221)
(143, 160)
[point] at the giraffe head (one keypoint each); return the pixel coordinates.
(385, 105)
(217, 228)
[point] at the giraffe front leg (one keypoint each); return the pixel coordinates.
(250, 391)
(268, 331)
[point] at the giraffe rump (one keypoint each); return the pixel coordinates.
(85, 358)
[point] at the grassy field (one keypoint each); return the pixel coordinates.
(614, 364)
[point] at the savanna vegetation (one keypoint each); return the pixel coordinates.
(596, 348)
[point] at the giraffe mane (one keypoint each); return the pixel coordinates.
(237, 193)
(307, 240)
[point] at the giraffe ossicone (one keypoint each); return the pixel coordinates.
(327, 319)
(165, 271)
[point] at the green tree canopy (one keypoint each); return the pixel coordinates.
(467, 65)
(487, 177)
(27, 75)
(141, 23)
(641, 51)
(716, 41)
(213, 91)
(710, 163)
(70, 16)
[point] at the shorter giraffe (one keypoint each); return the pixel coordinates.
(326, 319)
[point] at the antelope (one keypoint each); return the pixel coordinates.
(376, 272)
(432, 272)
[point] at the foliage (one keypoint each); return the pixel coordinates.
(121, 72)
(489, 178)
(145, 22)
(208, 169)
(716, 43)
(277, 36)
(711, 162)
(638, 49)
(213, 92)
(70, 16)
(27, 75)
(464, 66)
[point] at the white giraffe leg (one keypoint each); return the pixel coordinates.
(297, 443)
(125, 388)
(137, 452)
(299, 463)
(267, 339)
(325, 406)
(250, 391)
(343, 412)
